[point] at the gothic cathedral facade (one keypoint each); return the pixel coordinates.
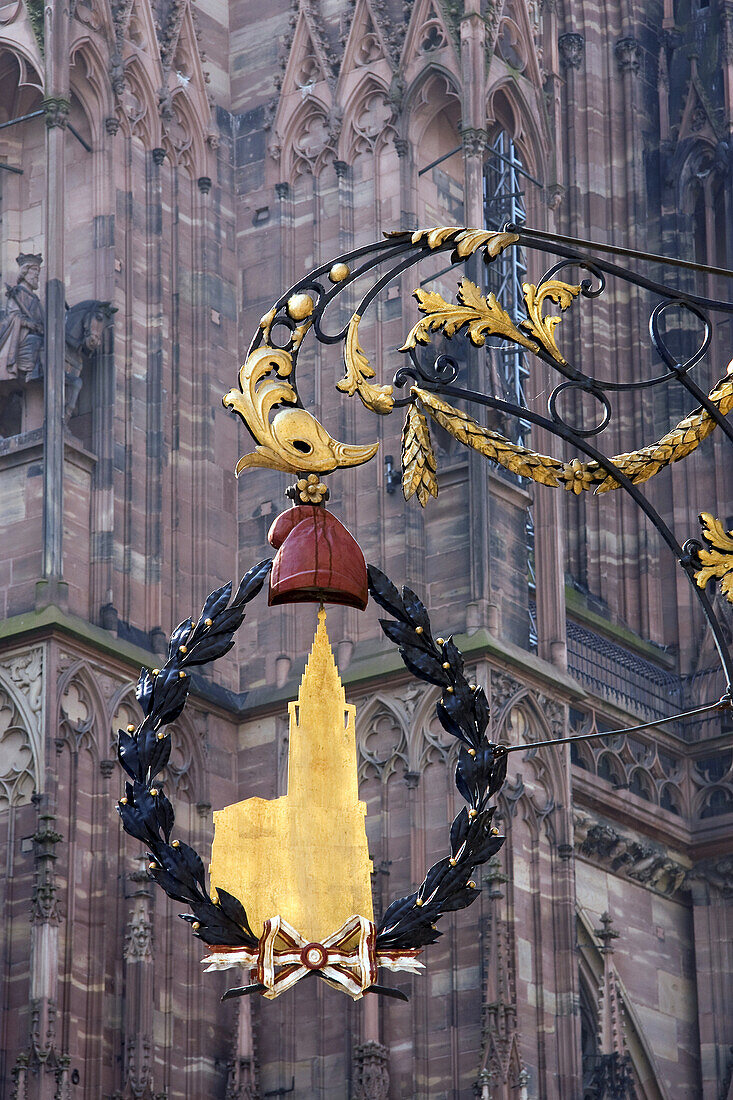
(173, 166)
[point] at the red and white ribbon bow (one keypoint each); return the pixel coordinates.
(347, 959)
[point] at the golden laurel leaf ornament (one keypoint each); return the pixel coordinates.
(577, 476)
(466, 241)
(293, 441)
(718, 560)
(418, 458)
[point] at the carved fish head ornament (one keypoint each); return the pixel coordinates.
(293, 441)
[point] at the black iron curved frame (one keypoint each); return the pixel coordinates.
(403, 250)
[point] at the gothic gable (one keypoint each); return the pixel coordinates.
(429, 39)
(307, 60)
(515, 43)
(366, 45)
(698, 116)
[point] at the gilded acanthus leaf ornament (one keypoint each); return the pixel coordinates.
(418, 458)
(358, 370)
(541, 327)
(717, 561)
(484, 316)
(480, 316)
(293, 441)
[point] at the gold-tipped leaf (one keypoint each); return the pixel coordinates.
(418, 458)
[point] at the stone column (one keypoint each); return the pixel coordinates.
(242, 1069)
(138, 1010)
(571, 47)
(45, 922)
(711, 885)
(473, 115)
(548, 507)
(56, 106)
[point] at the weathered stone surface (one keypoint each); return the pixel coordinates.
(212, 185)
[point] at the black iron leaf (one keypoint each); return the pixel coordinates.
(453, 655)
(127, 754)
(193, 863)
(179, 637)
(452, 716)
(424, 666)
(144, 690)
(133, 822)
(173, 885)
(234, 910)
(404, 634)
(415, 609)
(396, 910)
(169, 695)
(466, 778)
(486, 847)
(217, 601)
(498, 776)
(165, 816)
(459, 830)
(252, 581)
(385, 594)
(460, 899)
(158, 756)
(211, 647)
(434, 877)
(481, 709)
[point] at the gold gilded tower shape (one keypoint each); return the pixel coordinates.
(304, 856)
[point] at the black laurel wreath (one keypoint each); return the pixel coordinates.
(463, 710)
(143, 753)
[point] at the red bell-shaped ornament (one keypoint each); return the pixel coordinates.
(317, 560)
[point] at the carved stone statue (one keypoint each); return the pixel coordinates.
(22, 328)
(22, 334)
(85, 326)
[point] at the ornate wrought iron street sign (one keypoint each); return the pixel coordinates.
(300, 864)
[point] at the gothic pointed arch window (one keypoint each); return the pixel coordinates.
(504, 173)
(504, 202)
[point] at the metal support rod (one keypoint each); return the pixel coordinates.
(722, 704)
(433, 163)
(10, 168)
(518, 168)
(79, 138)
(21, 118)
(616, 250)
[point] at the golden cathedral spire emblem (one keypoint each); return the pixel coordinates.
(304, 856)
(302, 860)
